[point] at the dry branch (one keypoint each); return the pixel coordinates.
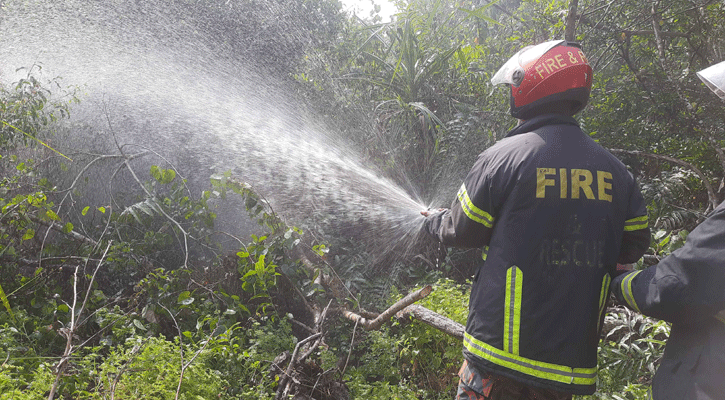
(283, 387)
(433, 319)
(387, 314)
(73, 324)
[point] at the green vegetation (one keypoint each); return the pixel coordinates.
(134, 298)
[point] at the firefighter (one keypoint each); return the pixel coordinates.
(687, 288)
(554, 213)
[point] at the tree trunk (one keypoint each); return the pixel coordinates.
(571, 20)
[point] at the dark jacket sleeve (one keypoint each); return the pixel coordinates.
(469, 221)
(686, 286)
(634, 245)
(636, 237)
(453, 227)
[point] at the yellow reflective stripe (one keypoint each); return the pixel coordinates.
(603, 297)
(512, 310)
(636, 223)
(539, 369)
(484, 254)
(627, 290)
(473, 212)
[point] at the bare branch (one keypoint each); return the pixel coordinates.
(282, 388)
(387, 314)
(59, 228)
(69, 332)
(349, 352)
(433, 319)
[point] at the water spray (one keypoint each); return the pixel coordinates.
(179, 97)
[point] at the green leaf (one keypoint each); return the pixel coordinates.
(155, 172)
(52, 215)
(183, 296)
(139, 325)
(259, 265)
(249, 273)
(29, 234)
(85, 211)
(102, 209)
(68, 228)
(6, 303)
(665, 241)
(168, 176)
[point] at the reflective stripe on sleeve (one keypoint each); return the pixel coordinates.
(471, 211)
(512, 310)
(636, 224)
(539, 369)
(484, 253)
(627, 290)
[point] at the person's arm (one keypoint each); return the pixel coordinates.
(634, 244)
(463, 225)
(469, 222)
(686, 286)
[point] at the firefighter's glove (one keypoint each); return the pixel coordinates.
(429, 212)
(433, 219)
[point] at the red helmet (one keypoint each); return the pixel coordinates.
(544, 74)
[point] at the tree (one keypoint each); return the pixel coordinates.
(652, 101)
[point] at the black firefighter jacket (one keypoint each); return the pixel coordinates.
(555, 213)
(687, 288)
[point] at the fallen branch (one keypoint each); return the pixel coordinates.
(387, 314)
(433, 319)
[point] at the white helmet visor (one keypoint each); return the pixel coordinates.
(512, 72)
(714, 78)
